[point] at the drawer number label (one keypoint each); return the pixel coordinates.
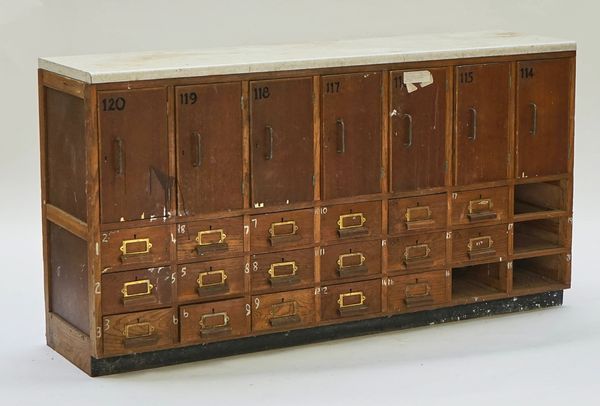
(332, 87)
(188, 98)
(113, 104)
(467, 77)
(526, 72)
(262, 92)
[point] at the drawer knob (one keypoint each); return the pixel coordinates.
(283, 273)
(284, 313)
(480, 210)
(211, 241)
(351, 264)
(352, 224)
(214, 323)
(283, 232)
(136, 246)
(418, 294)
(132, 289)
(479, 247)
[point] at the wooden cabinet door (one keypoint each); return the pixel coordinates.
(209, 147)
(543, 105)
(282, 138)
(351, 134)
(134, 169)
(418, 131)
(481, 123)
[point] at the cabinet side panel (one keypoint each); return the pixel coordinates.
(66, 157)
(68, 277)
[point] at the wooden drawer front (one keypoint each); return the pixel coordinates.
(207, 280)
(209, 239)
(480, 244)
(422, 213)
(424, 251)
(214, 320)
(285, 310)
(350, 260)
(136, 290)
(351, 299)
(135, 247)
(136, 332)
(479, 206)
(411, 292)
(270, 232)
(283, 270)
(354, 220)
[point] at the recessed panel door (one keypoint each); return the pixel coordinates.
(418, 129)
(351, 134)
(543, 105)
(281, 122)
(134, 154)
(481, 123)
(209, 148)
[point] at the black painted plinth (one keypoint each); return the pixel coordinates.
(153, 359)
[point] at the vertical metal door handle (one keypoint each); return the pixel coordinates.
(198, 157)
(269, 153)
(473, 135)
(409, 129)
(533, 118)
(341, 140)
(119, 156)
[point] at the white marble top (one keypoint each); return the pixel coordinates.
(217, 61)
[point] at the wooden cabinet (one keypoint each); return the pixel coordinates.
(225, 207)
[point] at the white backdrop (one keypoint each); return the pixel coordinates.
(548, 357)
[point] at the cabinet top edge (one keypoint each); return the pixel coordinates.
(122, 67)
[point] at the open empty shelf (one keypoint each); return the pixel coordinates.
(536, 235)
(540, 273)
(535, 200)
(471, 283)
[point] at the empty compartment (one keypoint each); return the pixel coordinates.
(548, 272)
(538, 235)
(471, 283)
(540, 197)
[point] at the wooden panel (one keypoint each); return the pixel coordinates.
(134, 154)
(284, 310)
(413, 292)
(351, 134)
(125, 248)
(481, 123)
(209, 148)
(350, 259)
(417, 214)
(142, 331)
(353, 220)
(418, 252)
(543, 117)
(68, 277)
(281, 136)
(210, 280)
(65, 153)
(213, 321)
(277, 231)
(480, 206)
(282, 270)
(210, 239)
(480, 244)
(351, 300)
(418, 132)
(69, 342)
(136, 290)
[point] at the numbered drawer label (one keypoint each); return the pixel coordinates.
(282, 270)
(482, 243)
(214, 320)
(417, 253)
(351, 299)
(417, 214)
(477, 206)
(209, 239)
(269, 232)
(285, 310)
(135, 248)
(344, 221)
(207, 280)
(350, 260)
(136, 290)
(412, 292)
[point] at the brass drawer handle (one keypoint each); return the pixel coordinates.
(473, 135)
(418, 213)
(352, 220)
(283, 228)
(417, 252)
(206, 237)
(480, 247)
(351, 264)
(138, 330)
(533, 130)
(418, 294)
(481, 209)
(213, 323)
(341, 136)
(351, 299)
(135, 284)
(125, 246)
(409, 130)
(289, 265)
(284, 313)
(203, 275)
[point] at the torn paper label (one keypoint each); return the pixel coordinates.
(418, 76)
(410, 87)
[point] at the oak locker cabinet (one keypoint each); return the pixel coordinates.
(218, 205)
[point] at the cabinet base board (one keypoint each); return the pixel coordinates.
(154, 359)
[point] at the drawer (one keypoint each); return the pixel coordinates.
(211, 279)
(214, 320)
(208, 239)
(275, 231)
(480, 244)
(351, 299)
(417, 252)
(137, 332)
(412, 292)
(478, 206)
(344, 221)
(135, 248)
(283, 270)
(351, 259)
(285, 310)
(421, 213)
(132, 291)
